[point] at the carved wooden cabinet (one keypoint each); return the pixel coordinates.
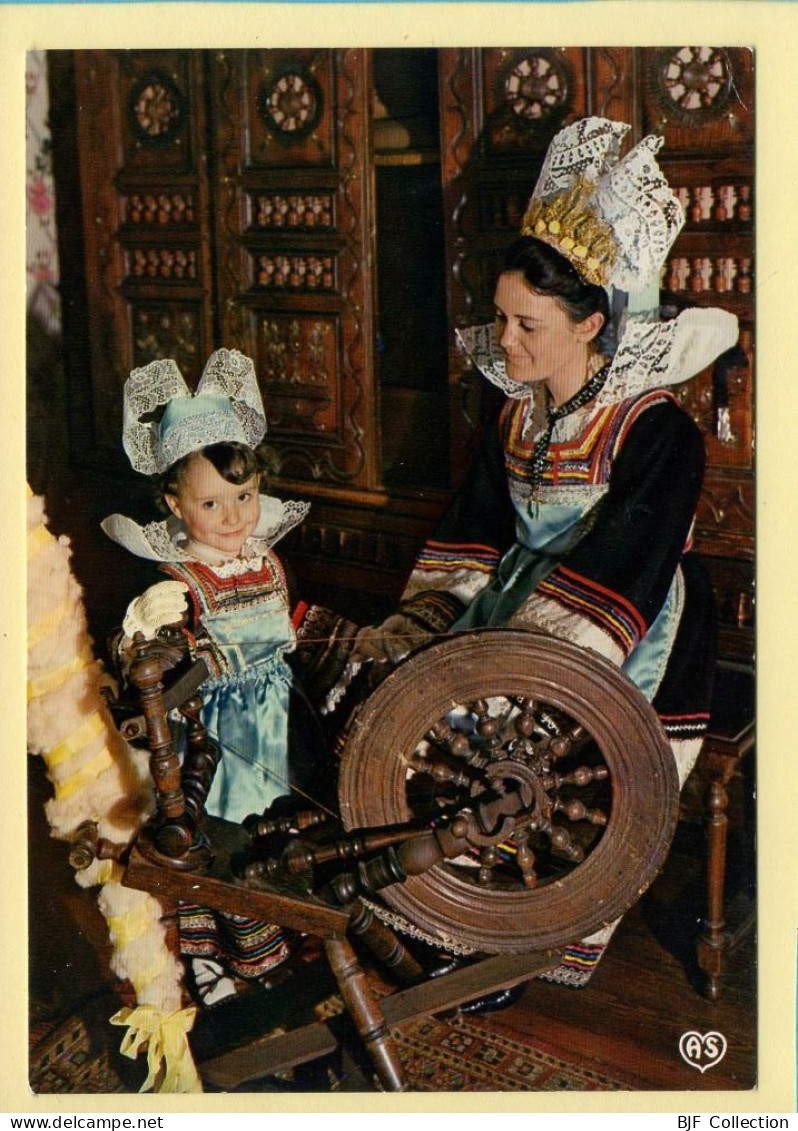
(334, 213)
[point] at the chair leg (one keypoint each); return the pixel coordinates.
(712, 939)
(366, 1013)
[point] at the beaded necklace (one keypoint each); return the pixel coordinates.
(581, 397)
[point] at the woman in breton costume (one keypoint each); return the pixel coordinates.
(576, 519)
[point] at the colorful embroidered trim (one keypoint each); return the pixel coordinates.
(585, 459)
(211, 593)
(609, 610)
(457, 555)
(249, 946)
(687, 726)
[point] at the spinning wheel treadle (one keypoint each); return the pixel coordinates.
(556, 762)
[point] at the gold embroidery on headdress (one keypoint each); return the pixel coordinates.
(569, 224)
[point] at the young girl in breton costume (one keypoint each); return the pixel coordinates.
(218, 549)
(576, 519)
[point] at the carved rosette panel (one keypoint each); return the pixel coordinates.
(291, 102)
(157, 94)
(694, 84)
(699, 96)
(156, 108)
(168, 330)
(289, 107)
(536, 87)
(529, 93)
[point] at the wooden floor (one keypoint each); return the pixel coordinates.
(626, 1023)
(628, 1020)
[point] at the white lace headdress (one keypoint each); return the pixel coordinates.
(226, 406)
(614, 220)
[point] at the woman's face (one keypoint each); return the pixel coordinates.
(216, 513)
(538, 339)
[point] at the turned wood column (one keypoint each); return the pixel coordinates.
(366, 1013)
(712, 940)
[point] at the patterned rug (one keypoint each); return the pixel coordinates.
(80, 1054)
(459, 1055)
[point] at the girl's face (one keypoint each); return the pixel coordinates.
(538, 339)
(216, 513)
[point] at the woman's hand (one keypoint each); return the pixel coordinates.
(160, 605)
(382, 647)
(388, 643)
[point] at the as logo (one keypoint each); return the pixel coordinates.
(702, 1050)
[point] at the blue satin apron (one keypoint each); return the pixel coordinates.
(246, 709)
(545, 534)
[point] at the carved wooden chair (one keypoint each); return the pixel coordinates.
(500, 792)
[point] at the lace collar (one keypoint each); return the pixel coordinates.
(165, 541)
(649, 355)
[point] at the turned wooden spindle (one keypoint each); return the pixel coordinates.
(577, 811)
(413, 857)
(300, 857)
(488, 858)
(561, 840)
(87, 846)
(170, 835)
(564, 744)
(712, 940)
(202, 758)
(440, 772)
(384, 945)
(364, 1008)
(525, 858)
(266, 826)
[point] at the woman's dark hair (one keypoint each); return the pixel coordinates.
(550, 273)
(235, 462)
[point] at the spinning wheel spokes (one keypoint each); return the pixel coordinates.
(550, 759)
(497, 757)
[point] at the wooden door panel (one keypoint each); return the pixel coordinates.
(293, 247)
(141, 137)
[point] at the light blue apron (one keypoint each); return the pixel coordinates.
(246, 710)
(546, 533)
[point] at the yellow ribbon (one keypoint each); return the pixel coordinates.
(108, 872)
(45, 624)
(76, 741)
(51, 680)
(38, 539)
(84, 775)
(132, 925)
(166, 1040)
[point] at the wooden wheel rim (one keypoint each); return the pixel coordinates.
(597, 695)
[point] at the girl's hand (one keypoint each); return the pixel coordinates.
(160, 605)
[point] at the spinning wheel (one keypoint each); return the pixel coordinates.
(500, 792)
(547, 761)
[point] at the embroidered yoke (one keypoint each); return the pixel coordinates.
(243, 630)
